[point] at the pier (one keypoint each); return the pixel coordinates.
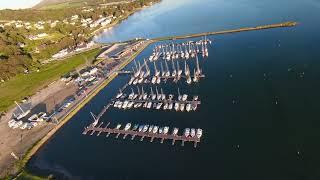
(270, 26)
(143, 135)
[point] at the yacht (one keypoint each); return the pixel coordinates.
(127, 127)
(175, 131)
(131, 80)
(165, 107)
(135, 127)
(119, 94)
(195, 77)
(145, 128)
(163, 73)
(135, 81)
(158, 80)
(177, 106)
(182, 105)
(150, 129)
(188, 107)
(140, 80)
(199, 133)
(167, 74)
(130, 97)
(120, 104)
(118, 126)
(179, 71)
(125, 104)
(140, 128)
(170, 106)
(160, 130)
(149, 105)
(130, 104)
(165, 130)
(195, 98)
(187, 132)
(159, 105)
(145, 104)
(155, 129)
(174, 72)
(189, 80)
(157, 73)
(154, 80)
(184, 97)
(193, 132)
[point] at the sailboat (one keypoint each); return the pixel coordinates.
(23, 113)
(174, 72)
(167, 74)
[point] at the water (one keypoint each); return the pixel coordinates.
(259, 106)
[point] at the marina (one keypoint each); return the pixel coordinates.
(145, 131)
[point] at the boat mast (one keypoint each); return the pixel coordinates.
(19, 106)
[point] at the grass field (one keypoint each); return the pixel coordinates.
(62, 5)
(27, 84)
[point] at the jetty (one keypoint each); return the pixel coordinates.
(262, 27)
(90, 130)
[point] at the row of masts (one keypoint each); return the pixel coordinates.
(158, 100)
(142, 73)
(185, 50)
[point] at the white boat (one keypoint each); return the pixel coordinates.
(140, 128)
(159, 105)
(135, 127)
(177, 106)
(199, 133)
(187, 132)
(145, 104)
(184, 97)
(194, 106)
(150, 129)
(182, 105)
(119, 94)
(135, 81)
(127, 127)
(149, 105)
(120, 104)
(154, 80)
(165, 130)
(175, 131)
(125, 104)
(165, 107)
(140, 80)
(155, 129)
(160, 130)
(130, 104)
(118, 126)
(158, 80)
(189, 80)
(23, 113)
(170, 106)
(145, 128)
(195, 98)
(131, 80)
(193, 132)
(188, 107)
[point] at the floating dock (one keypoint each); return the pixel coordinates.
(142, 135)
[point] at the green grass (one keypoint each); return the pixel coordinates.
(62, 5)
(25, 85)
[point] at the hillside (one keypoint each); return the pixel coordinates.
(54, 4)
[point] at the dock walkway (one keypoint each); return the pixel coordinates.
(91, 130)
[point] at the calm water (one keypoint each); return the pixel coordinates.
(252, 69)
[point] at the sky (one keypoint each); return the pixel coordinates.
(17, 4)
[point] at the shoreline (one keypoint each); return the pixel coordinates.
(92, 94)
(34, 149)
